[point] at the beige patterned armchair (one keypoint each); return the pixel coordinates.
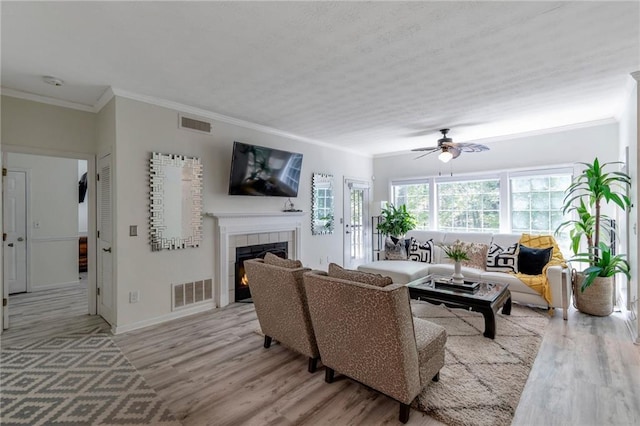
(281, 306)
(367, 333)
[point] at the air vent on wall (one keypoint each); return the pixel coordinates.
(194, 124)
(188, 294)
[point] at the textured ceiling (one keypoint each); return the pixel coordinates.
(374, 77)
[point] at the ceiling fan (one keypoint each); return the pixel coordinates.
(449, 149)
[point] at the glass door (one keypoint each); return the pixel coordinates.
(356, 223)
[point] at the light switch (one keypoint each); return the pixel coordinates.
(133, 230)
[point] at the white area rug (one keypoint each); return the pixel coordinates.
(482, 379)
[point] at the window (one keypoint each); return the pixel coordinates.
(526, 202)
(469, 206)
(324, 198)
(416, 198)
(536, 205)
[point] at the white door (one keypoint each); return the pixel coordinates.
(357, 235)
(15, 226)
(106, 299)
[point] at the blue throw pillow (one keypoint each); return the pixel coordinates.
(532, 261)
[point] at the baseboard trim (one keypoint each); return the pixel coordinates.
(46, 287)
(115, 329)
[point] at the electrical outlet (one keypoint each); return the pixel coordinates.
(321, 260)
(134, 296)
(328, 260)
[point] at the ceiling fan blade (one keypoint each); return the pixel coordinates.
(455, 151)
(471, 147)
(425, 154)
(427, 148)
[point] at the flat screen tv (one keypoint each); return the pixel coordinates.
(258, 170)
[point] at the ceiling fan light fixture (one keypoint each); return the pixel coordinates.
(445, 156)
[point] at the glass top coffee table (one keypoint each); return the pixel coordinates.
(480, 296)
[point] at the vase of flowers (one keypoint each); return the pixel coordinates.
(457, 276)
(456, 252)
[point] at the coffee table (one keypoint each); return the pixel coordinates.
(487, 299)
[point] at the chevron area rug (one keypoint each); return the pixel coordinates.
(77, 379)
(482, 379)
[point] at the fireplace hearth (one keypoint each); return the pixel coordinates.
(242, 292)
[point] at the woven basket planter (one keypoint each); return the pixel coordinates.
(597, 299)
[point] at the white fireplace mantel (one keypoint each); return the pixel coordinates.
(228, 225)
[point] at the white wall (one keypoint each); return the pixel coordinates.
(53, 229)
(142, 128)
(35, 125)
(629, 135)
(560, 148)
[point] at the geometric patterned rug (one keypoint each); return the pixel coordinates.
(76, 379)
(482, 379)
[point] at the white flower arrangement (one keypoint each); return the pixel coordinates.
(458, 251)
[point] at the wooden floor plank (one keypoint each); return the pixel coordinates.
(212, 369)
(41, 314)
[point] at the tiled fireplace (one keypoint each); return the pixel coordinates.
(241, 282)
(234, 230)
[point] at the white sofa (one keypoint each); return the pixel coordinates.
(405, 271)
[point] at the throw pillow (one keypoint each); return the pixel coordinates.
(407, 242)
(503, 259)
(476, 252)
(421, 251)
(272, 259)
(337, 271)
(394, 250)
(477, 256)
(532, 261)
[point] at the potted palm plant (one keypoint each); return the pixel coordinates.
(590, 189)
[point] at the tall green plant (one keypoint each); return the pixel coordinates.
(602, 265)
(595, 185)
(396, 221)
(583, 226)
(590, 189)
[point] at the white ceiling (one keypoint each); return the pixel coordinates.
(373, 77)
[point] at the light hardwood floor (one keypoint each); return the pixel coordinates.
(41, 314)
(211, 368)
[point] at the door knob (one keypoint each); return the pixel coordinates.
(20, 239)
(108, 250)
(10, 244)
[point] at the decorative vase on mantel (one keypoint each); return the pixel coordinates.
(457, 277)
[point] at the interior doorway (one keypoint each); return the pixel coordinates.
(48, 256)
(15, 230)
(357, 244)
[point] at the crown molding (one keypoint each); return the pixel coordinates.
(629, 89)
(489, 140)
(111, 92)
(573, 126)
(45, 100)
(226, 119)
(107, 95)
